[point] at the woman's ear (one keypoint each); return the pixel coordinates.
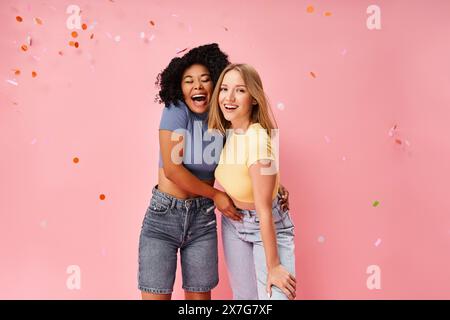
(254, 102)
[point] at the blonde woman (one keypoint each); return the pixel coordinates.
(259, 251)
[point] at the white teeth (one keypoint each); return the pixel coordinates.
(198, 96)
(227, 106)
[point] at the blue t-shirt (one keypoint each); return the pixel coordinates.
(201, 148)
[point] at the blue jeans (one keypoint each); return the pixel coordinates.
(172, 224)
(245, 257)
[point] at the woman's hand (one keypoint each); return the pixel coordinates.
(280, 277)
(284, 200)
(225, 205)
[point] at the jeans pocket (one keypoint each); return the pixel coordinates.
(157, 207)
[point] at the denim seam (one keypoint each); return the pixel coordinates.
(154, 290)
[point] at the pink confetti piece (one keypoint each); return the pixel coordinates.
(43, 224)
(392, 131)
(327, 139)
(344, 52)
(180, 51)
(407, 143)
(321, 239)
(104, 252)
(108, 35)
(33, 141)
(281, 106)
(142, 35)
(152, 37)
(344, 158)
(13, 82)
(117, 38)
(175, 15)
(377, 243)
(190, 28)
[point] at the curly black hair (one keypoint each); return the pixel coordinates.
(169, 80)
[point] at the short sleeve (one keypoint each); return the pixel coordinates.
(259, 147)
(174, 117)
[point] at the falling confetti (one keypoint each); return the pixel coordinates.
(407, 143)
(37, 21)
(33, 141)
(327, 14)
(327, 139)
(312, 74)
(398, 141)
(76, 160)
(34, 74)
(375, 203)
(392, 130)
(152, 37)
(29, 41)
(102, 197)
(152, 23)
(310, 9)
(74, 34)
(344, 52)
(280, 106)
(377, 243)
(60, 53)
(117, 38)
(24, 47)
(16, 72)
(344, 158)
(321, 239)
(76, 44)
(92, 36)
(19, 19)
(226, 29)
(180, 51)
(71, 43)
(43, 224)
(104, 252)
(14, 83)
(84, 26)
(142, 35)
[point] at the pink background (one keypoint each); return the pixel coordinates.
(338, 154)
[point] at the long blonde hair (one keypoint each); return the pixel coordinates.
(261, 112)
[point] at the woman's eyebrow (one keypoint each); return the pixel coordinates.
(205, 74)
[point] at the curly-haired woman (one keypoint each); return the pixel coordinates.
(181, 212)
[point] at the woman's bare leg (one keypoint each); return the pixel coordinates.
(188, 295)
(154, 296)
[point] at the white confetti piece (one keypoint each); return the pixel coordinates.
(321, 239)
(152, 37)
(377, 243)
(117, 38)
(407, 143)
(392, 130)
(29, 41)
(280, 106)
(142, 35)
(327, 139)
(14, 83)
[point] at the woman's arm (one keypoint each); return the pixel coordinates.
(170, 143)
(263, 185)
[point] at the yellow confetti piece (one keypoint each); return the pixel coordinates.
(310, 9)
(375, 203)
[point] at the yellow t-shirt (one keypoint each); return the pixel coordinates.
(239, 153)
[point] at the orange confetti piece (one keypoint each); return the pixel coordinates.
(312, 74)
(84, 26)
(102, 197)
(92, 36)
(24, 47)
(34, 74)
(327, 14)
(310, 9)
(19, 19)
(76, 160)
(152, 23)
(71, 43)
(16, 72)
(398, 141)
(76, 44)
(74, 34)
(38, 21)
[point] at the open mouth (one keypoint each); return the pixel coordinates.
(230, 107)
(199, 100)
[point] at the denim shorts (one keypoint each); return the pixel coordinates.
(172, 224)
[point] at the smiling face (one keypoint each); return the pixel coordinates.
(235, 100)
(197, 88)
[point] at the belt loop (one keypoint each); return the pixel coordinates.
(197, 202)
(172, 205)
